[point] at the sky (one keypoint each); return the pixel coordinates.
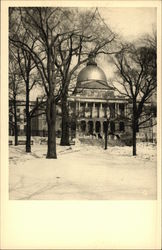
(130, 24)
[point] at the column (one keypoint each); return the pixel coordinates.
(102, 113)
(99, 110)
(116, 109)
(86, 109)
(108, 111)
(93, 110)
(90, 109)
(102, 133)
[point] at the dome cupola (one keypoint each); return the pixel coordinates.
(91, 72)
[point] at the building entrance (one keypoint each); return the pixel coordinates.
(90, 127)
(98, 127)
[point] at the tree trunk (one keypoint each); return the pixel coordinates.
(28, 120)
(105, 139)
(134, 136)
(28, 135)
(16, 133)
(15, 122)
(65, 122)
(134, 125)
(51, 121)
(106, 127)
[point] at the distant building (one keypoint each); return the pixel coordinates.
(92, 106)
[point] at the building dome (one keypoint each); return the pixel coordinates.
(91, 72)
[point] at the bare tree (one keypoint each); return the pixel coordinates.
(136, 69)
(29, 78)
(26, 66)
(15, 89)
(42, 25)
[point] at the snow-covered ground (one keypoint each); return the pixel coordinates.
(83, 172)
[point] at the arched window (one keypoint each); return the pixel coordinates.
(105, 126)
(121, 126)
(98, 127)
(90, 127)
(83, 126)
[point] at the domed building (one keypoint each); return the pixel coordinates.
(93, 104)
(92, 107)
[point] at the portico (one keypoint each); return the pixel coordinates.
(92, 116)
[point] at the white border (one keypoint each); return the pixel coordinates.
(75, 224)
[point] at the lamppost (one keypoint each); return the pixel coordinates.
(107, 126)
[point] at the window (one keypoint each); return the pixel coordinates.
(105, 126)
(97, 107)
(121, 126)
(83, 126)
(90, 109)
(121, 108)
(104, 108)
(90, 127)
(112, 110)
(82, 109)
(98, 127)
(112, 127)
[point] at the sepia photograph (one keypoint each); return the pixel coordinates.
(82, 103)
(80, 124)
